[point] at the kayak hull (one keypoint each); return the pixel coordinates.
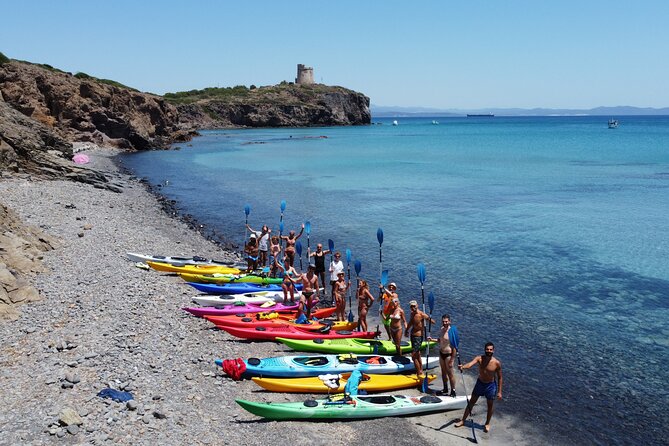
(250, 310)
(233, 321)
(209, 300)
(357, 346)
(176, 260)
(303, 366)
(239, 288)
(193, 269)
(369, 383)
(291, 332)
(357, 407)
(229, 278)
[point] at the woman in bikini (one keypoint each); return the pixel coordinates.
(365, 300)
(274, 251)
(397, 323)
(340, 288)
(387, 296)
(288, 284)
(290, 240)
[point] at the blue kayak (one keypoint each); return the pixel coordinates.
(302, 366)
(236, 288)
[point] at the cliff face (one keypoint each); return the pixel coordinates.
(285, 105)
(87, 110)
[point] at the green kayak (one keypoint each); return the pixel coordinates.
(351, 345)
(355, 407)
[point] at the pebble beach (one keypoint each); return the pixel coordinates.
(102, 322)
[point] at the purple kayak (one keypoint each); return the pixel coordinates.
(234, 309)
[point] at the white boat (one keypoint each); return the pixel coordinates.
(613, 124)
(395, 122)
(435, 122)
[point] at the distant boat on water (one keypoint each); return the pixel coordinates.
(481, 115)
(435, 122)
(395, 123)
(613, 123)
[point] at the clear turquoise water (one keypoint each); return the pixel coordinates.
(547, 236)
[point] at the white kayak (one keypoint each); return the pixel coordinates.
(178, 261)
(209, 300)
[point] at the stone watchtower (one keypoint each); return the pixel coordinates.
(305, 75)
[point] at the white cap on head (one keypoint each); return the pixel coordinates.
(392, 284)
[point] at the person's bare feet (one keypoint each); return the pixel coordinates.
(459, 423)
(486, 428)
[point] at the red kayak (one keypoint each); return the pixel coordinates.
(252, 322)
(249, 310)
(291, 332)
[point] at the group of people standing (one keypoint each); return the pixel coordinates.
(263, 248)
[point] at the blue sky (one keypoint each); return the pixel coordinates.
(445, 54)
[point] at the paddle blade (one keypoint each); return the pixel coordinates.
(358, 266)
(307, 227)
(348, 255)
(350, 316)
(384, 277)
(283, 205)
(330, 244)
(424, 385)
(421, 272)
(298, 248)
(247, 209)
(430, 301)
(379, 235)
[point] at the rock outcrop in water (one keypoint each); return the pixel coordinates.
(284, 105)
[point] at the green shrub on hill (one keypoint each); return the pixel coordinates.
(3, 59)
(81, 75)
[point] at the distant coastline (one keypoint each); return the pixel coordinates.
(398, 112)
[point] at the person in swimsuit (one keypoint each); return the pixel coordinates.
(416, 330)
(318, 258)
(340, 288)
(447, 353)
(309, 288)
(488, 384)
(336, 267)
(365, 300)
(397, 323)
(387, 296)
(289, 279)
(251, 251)
(263, 243)
(274, 251)
(290, 240)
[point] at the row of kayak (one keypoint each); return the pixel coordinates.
(338, 358)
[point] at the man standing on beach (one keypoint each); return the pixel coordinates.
(416, 329)
(488, 384)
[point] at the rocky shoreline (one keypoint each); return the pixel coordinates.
(104, 323)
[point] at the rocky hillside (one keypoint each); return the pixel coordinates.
(82, 108)
(283, 105)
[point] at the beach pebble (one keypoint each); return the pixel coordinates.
(146, 418)
(69, 416)
(73, 429)
(131, 405)
(159, 414)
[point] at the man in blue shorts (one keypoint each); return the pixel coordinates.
(489, 383)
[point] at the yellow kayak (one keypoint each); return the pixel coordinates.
(228, 278)
(193, 269)
(369, 383)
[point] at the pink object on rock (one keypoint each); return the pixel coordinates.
(80, 158)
